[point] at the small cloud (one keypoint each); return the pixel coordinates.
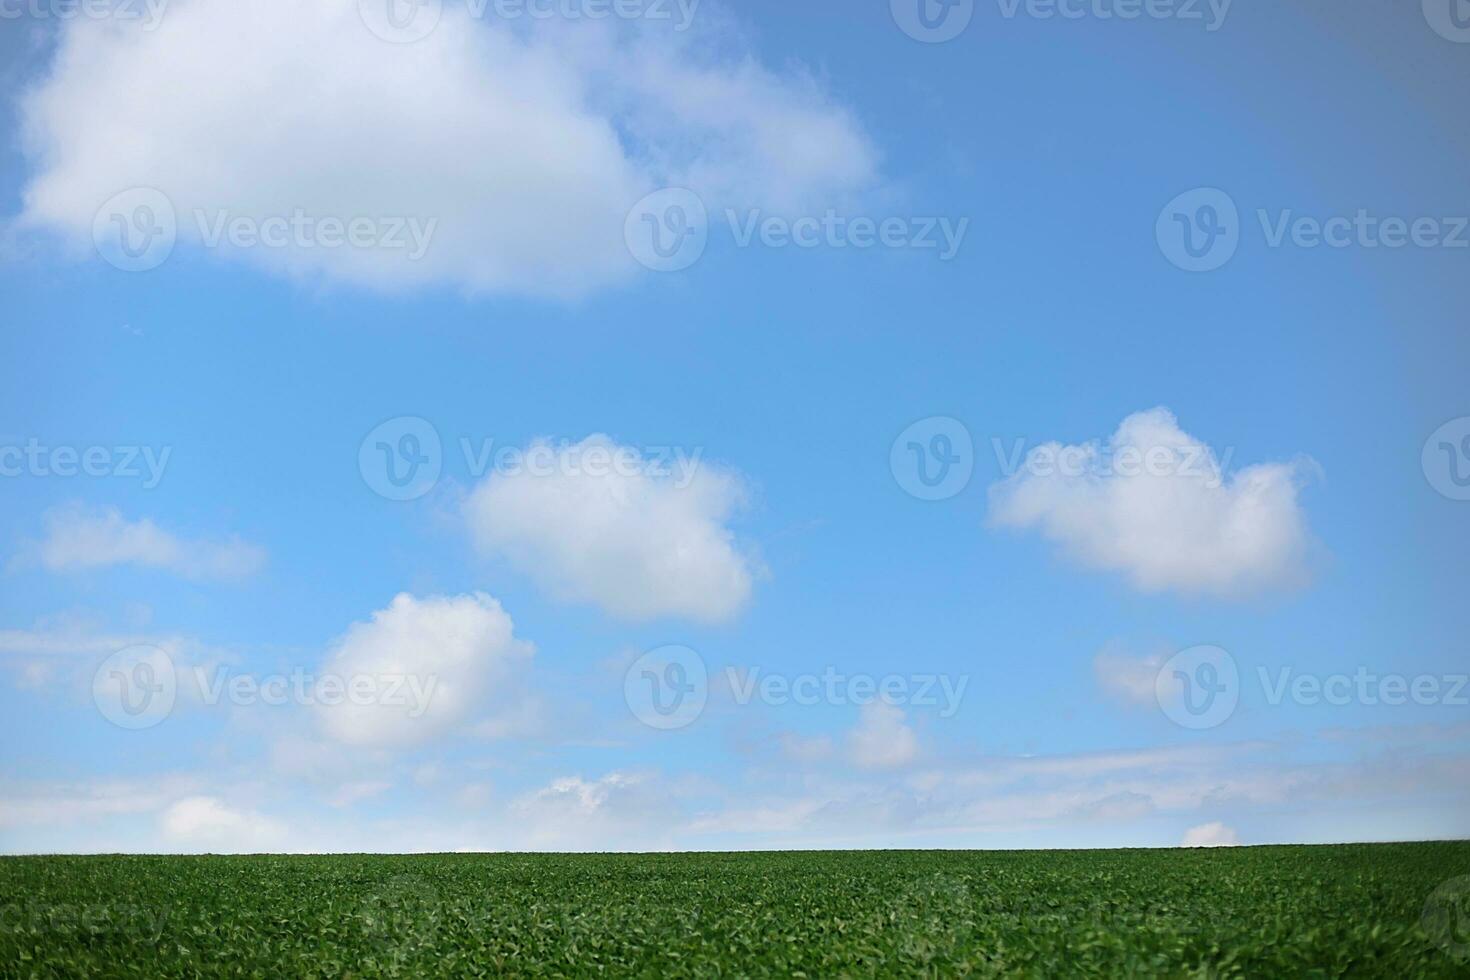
(639, 543)
(573, 811)
(881, 740)
(208, 822)
(1214, 834)
(1157, 506)
(423, 666)
(79, 539)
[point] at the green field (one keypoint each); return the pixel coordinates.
(1361, 910)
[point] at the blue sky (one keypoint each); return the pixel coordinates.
(1324, 539)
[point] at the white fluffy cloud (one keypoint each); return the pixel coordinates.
(617, 808)
(881, 739)
(424, 666)
(208, 823)
(526, 142)
(79, 539)
(1214, 834)
(1156, 505)
(638, 543)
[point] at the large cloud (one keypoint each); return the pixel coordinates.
(1156, 505)
(527, 142)
(424, 666)
(617, 533)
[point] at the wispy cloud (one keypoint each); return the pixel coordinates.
(79, 539)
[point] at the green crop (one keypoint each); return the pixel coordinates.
(1395, 910)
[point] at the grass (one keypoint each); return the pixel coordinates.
(1354, 910)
